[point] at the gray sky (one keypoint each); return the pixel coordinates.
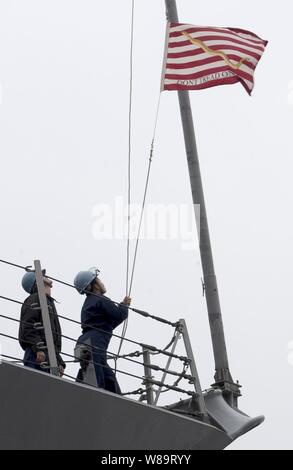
(64, 74)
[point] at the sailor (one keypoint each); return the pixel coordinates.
(31, 334)
(99, 317)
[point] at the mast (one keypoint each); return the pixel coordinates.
(222, 376)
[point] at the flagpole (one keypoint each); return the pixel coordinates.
(223, 378)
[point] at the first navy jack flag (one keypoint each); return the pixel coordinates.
(199, 57)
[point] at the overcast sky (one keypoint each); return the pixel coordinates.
(64, 81)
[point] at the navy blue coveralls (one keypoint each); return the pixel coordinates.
(98, 312)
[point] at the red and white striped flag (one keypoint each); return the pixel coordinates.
(202, 57)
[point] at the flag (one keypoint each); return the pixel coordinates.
(199, 57)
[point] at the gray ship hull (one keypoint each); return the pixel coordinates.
(41, 411)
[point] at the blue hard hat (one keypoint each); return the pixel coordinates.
(28, 282)
(83, 279)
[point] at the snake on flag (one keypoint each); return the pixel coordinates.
(222, 54)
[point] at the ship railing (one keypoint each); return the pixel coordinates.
(152, 388)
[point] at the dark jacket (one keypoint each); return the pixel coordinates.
(102, 313)
(28, 336)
